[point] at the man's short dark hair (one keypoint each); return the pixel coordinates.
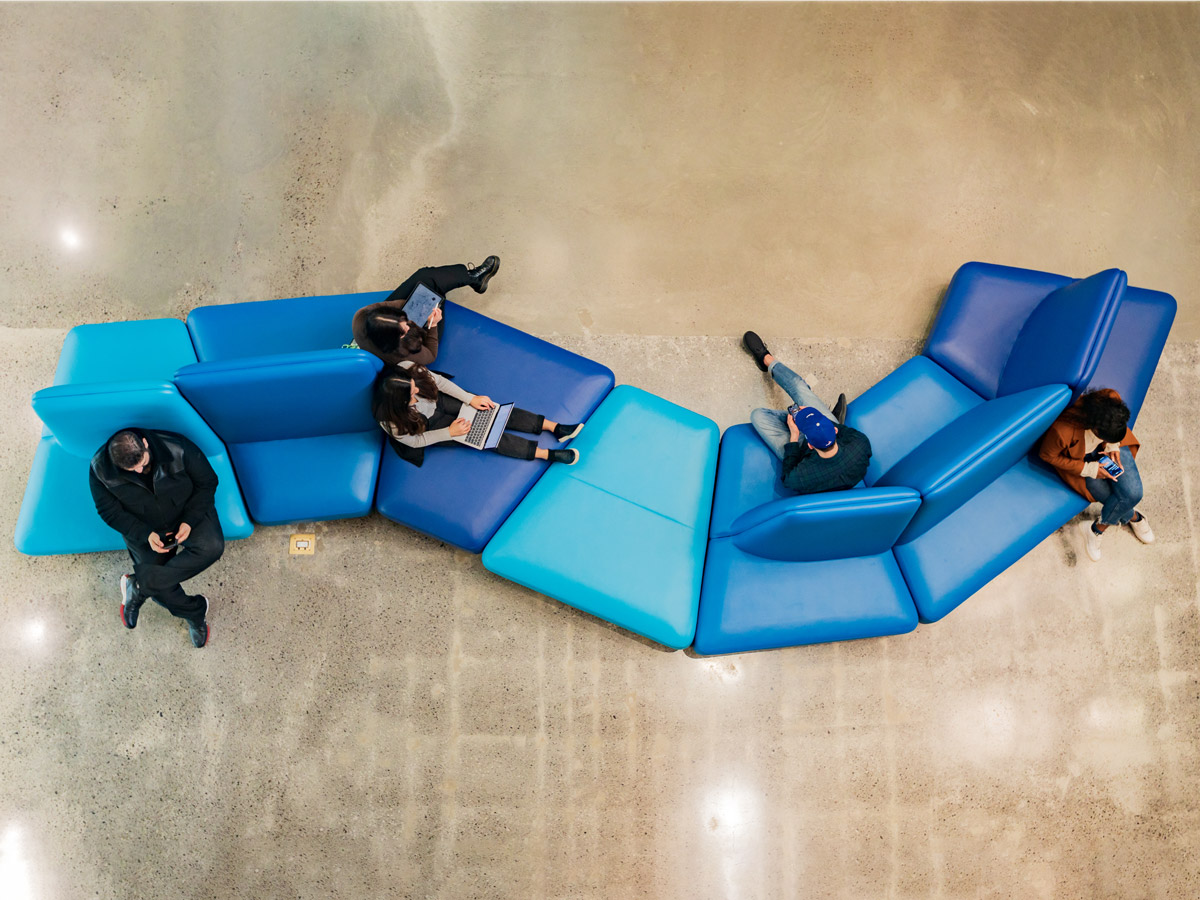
(125, 449)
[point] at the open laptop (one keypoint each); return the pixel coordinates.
(421, 304)
(486, 425)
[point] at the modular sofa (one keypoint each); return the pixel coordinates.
(641, 533)
(953, 428)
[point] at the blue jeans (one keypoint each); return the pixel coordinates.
(1118, 498)
(771, 424)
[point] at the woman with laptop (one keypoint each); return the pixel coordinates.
(387, 329)
(419, 408)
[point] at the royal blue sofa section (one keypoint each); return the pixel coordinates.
(299, 430)
(488, 357)
(622, 534)
(109, 377)
(784, 569)
(272, 327)
(1024, 343)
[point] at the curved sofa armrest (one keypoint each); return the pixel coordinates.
(837, 525)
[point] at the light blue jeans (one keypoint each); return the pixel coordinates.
(771, 424)
(1118, 498)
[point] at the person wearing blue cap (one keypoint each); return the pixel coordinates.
(830, 458)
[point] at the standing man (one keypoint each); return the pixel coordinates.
(828, 458)
(156, 488)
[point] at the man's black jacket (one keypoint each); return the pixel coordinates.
(184, 487)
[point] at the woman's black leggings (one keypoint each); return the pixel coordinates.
(526, 423)
(439, 279)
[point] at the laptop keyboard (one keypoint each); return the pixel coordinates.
(480, 426)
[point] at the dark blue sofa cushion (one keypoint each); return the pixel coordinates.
(266, 327)
(1134, 345)
(488, 357)
(984, 309)
(299, 430)
(1061, 341)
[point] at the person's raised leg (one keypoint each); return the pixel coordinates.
(771, 425)
(795, 386)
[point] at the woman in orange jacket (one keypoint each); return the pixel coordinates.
(1095, 428)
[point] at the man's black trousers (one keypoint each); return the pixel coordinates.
(158, 575)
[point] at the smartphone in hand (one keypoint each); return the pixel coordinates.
(168, 541)
(1111, 467)
(793, 409)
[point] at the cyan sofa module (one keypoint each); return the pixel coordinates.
(111, 376)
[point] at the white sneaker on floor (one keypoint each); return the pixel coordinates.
(1141, 528)
(1091, 540)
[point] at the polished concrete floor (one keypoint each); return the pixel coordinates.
(388, 719)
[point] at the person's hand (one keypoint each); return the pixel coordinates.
(434, 317)
(459, 427)
(481, 402)
(156, 543)
(792, 429)
(182, 532)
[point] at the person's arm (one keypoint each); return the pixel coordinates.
(116, 516)
(204, 484)
(425, 438)
(1054, 451)
(450, 389)
(794, 454)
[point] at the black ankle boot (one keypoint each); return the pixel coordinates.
(481, 276)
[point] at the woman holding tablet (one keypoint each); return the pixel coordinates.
(418, 408)
(385, 330)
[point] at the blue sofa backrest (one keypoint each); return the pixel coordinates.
(967, 455)
(83, 416)
(1061, 341)
(983, 312)
(266, 327)
(1135, 345)
(837, 525)
(275, 398)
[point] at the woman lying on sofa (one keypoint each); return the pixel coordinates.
(418, 408)
(384, 329)
(1082, 445)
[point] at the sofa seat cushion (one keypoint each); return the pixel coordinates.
(750, 603)
(904, 409)
(150, 350)
(748, 475)
(984, 536)
(622, 534)
(488, 357)
(309, 479)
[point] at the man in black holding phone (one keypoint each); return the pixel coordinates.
(157, 489)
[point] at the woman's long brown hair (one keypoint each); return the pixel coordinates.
(393, 398)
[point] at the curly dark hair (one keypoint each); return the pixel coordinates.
(383, 328)
(1105, 415)
(392, 402)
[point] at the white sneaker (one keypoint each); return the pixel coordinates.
(1141, 528)
(1091, 540)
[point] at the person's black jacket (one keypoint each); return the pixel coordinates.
(184, 487)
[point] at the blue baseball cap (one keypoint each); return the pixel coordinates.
(816, 428)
